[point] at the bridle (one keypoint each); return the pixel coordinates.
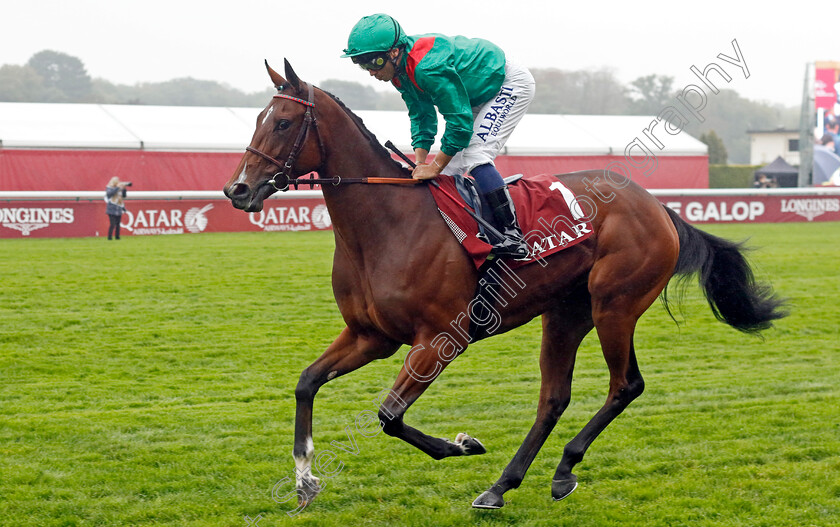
(286, 169)
(310, 120)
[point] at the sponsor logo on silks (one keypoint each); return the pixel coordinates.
(27, 220)
(718, 211)
(300, 218)
(492, 121)
(174, 221)
(811, 208)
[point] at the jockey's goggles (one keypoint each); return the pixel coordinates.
(372, 61)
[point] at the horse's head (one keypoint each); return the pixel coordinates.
(285, 144)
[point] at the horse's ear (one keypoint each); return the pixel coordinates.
(294, 80)
(275, 77)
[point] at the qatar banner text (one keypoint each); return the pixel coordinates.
(75, 219)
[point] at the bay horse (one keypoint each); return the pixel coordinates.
(400, 277)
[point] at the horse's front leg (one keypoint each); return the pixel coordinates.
(350, 351)
(423, 364)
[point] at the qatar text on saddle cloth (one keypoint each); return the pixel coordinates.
(548, 213)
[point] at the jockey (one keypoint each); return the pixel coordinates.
(481, 95)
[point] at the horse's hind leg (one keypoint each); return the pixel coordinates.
(563, 329)
(622, 288)
(626, 384)
(637, 252)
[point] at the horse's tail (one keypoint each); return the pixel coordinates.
(726, 278)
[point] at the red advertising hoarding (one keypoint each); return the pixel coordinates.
(763, 208)
(72, 219)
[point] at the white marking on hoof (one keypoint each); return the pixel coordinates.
(459, 441)
(463, 438)
(303, 465)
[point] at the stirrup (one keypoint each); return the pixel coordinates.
(513, 249)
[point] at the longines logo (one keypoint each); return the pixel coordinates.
(811, 208)
(29, 219)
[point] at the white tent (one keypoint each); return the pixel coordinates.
(192, 128)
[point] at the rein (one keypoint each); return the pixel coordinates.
(287, 167)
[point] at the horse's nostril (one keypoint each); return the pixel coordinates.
(239, 190)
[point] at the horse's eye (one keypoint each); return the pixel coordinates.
(283, 124)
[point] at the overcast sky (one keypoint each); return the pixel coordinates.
(155, 40)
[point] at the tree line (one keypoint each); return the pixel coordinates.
(52, 76)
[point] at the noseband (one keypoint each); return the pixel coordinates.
(287, 167)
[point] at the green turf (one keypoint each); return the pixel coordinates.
(151, 381)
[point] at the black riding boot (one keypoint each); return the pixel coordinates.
(503, 212)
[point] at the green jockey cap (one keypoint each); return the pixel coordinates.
(374, 33)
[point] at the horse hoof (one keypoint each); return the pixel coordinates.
(308, 489)
(470, 445)
(560, 488)
(489, 500)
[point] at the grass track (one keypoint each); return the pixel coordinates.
(150, 382)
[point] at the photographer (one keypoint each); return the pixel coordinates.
(114, 198)
(765, 182)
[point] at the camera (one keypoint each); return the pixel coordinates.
(128, 183)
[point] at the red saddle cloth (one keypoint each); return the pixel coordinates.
(550, 218)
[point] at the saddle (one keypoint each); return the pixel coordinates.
(546, 210)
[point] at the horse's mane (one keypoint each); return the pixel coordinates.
(374, 142)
